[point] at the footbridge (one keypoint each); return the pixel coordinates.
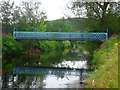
(92, 36)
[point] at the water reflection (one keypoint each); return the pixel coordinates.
(73, 64)
(14, 77)
(60, 72)
(54, 82)
(50, 81)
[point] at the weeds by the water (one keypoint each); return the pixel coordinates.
(105, 62)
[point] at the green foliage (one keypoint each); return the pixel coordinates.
(93, 25)
(101, 15)
(9, 45)
(25, 17)
(112, 23)
(49, 45)
(105, 48)
(42, 26)
(61, 25)
(49, 58)
(105, 62)
(52, 45)
(66, 44)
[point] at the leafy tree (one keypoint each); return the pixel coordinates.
(28, 16)
(102, 12)
(31, 16)
(6, 10)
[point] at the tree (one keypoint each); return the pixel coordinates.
(28, 16)
(6, 10)
(102, 12)
(31, 16)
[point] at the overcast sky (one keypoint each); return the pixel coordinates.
(54, 9)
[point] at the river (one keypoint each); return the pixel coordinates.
(44, 70)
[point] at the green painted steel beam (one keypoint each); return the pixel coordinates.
(60, 35)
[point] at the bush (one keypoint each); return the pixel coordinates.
(9, 45)
(50, 45)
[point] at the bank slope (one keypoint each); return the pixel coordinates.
(105, 62)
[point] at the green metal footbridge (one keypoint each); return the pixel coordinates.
(92, 36)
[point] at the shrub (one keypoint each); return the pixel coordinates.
(9, 45)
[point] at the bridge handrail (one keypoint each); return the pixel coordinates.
(98, 36)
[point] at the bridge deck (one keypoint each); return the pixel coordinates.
(60, 36)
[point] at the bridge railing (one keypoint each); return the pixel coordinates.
(61, 35)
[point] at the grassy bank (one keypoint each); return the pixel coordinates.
(105, 62)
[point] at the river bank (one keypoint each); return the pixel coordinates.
(105, 62)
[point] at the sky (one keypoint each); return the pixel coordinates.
(54, 9)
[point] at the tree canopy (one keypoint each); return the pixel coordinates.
(27, 16)
(105, 14)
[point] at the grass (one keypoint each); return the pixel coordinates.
(105, 62)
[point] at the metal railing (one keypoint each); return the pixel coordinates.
(93, 36)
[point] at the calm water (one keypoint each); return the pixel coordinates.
(31, 76)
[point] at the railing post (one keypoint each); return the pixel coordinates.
(107, 38)
(107, 35)
(14, 32)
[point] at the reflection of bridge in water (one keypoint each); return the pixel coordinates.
(60, 72)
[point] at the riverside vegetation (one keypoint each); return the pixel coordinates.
(105, 62)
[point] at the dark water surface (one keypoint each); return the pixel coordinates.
(28, 71)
